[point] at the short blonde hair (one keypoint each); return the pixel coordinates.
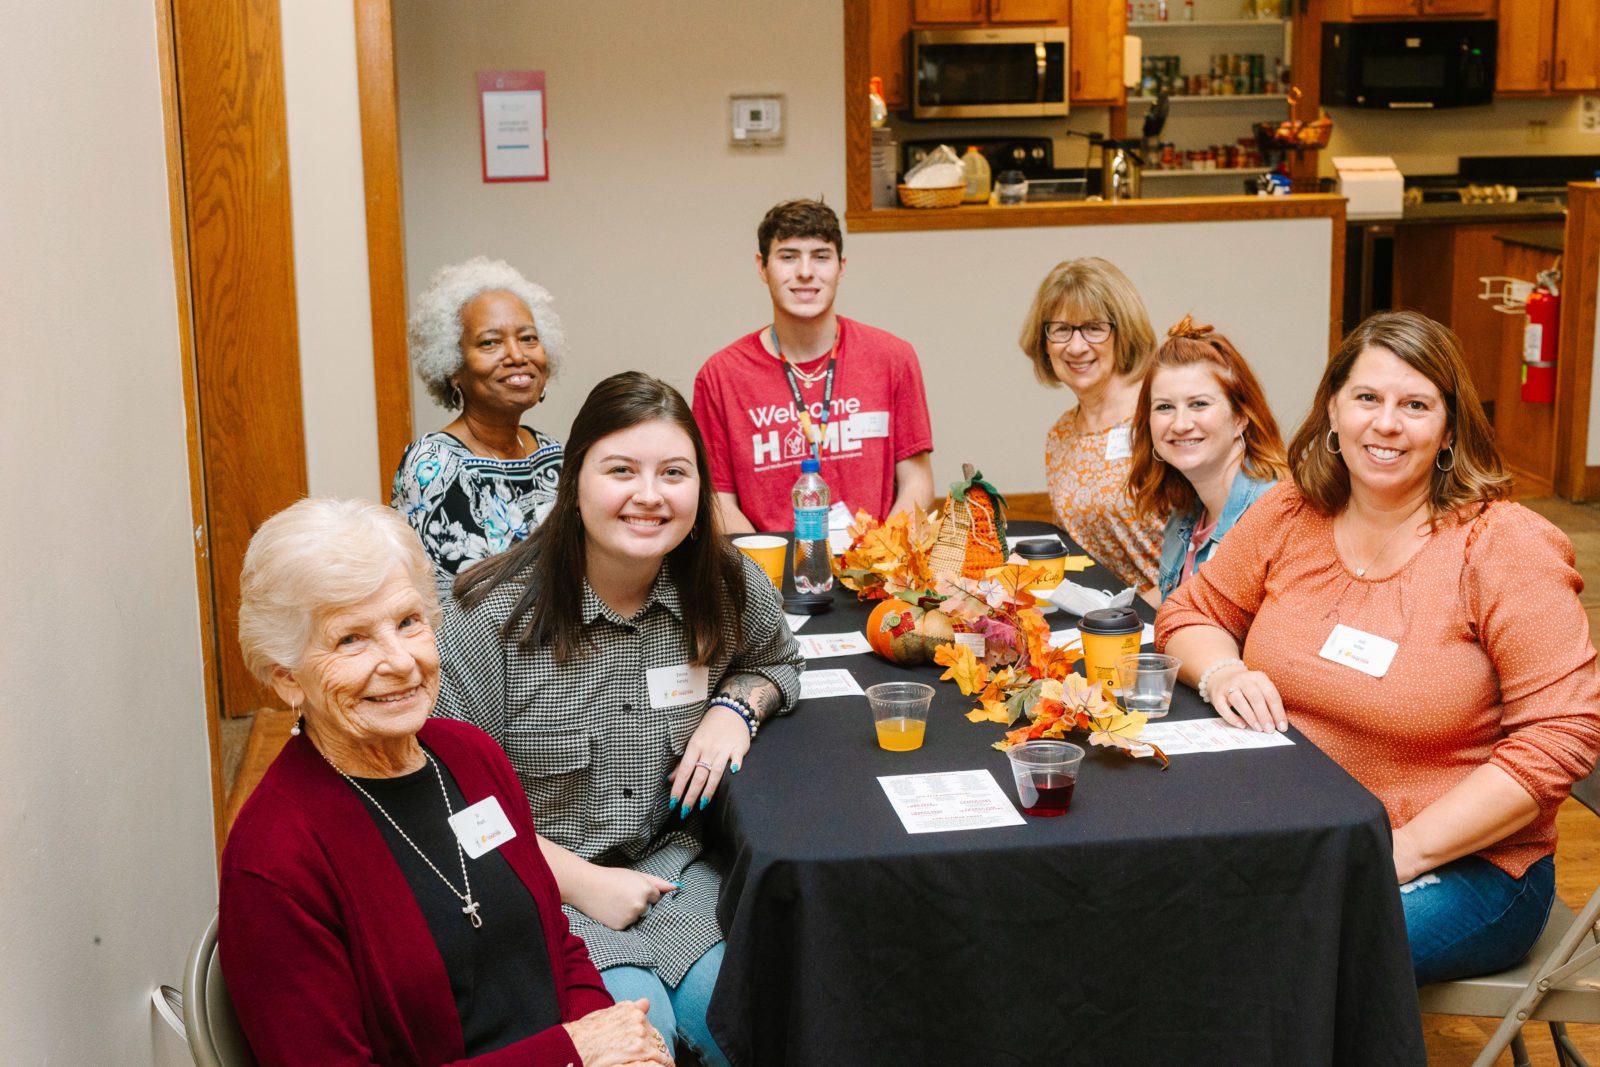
(315, 556)
(1093, 287)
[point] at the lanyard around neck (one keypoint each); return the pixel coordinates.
(814, 436)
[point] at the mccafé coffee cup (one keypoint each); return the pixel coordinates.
(1046, 552)
(1108, 635)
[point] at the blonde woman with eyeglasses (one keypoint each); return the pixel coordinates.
(1088, 330)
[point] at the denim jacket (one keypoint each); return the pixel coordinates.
(1180, 527)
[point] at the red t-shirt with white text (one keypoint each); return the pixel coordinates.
(747, 416)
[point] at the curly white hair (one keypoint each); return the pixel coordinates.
(434, 331)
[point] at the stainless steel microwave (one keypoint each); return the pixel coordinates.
(989, 73)
(1400, 65)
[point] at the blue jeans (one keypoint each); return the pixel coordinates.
(680, 1012)
(1470, 917)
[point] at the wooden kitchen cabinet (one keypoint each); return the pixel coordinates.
(1097, 30)
(1523, 62)
(1548, 46)
(946, 11)
(1342, 10)
(1047, 11)
(1000, 12)
(887, 27)
(1577, 45)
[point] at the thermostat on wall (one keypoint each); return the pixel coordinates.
(756, 120)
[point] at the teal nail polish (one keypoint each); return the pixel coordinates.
(734, 769)
(672, 802)
(703, 802)
(683, 812)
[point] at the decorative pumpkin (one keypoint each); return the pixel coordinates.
(972, 538)
(907, 635)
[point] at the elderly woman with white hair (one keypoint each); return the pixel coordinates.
(485, 341)
(384, 899)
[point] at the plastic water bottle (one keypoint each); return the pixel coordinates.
(813, 569)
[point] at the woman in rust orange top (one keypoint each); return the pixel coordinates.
(1088, 330)
(1418, 628)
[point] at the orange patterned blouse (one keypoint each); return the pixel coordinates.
(1088, 475)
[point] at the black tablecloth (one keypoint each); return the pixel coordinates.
(1239, 908)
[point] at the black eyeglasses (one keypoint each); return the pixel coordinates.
(1092, 332)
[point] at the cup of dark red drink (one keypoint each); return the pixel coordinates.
(1046, 773)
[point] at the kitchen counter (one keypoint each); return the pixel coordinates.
(1541, 240)
(1102, 213)
(1460, 213)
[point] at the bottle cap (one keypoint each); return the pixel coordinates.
(810, 466)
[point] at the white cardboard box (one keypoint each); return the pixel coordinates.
(1372, 185)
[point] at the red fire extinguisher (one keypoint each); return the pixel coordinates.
(1539, 339)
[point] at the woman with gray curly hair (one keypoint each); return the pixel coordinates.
(485, 341)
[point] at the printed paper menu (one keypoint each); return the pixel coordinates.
(948, 800)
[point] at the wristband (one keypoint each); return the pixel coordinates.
(1213, 669)
(744, 711)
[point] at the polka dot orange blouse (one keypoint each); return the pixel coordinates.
(1494, 664)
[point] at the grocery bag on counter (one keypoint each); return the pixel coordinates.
(940, 169)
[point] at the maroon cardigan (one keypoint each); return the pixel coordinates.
(327, 957)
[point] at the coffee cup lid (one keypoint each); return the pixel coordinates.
(1039, 548)
(1110, 621)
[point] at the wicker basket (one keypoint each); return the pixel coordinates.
(1294, 135)
(945, 196)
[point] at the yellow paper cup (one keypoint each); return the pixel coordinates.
(1108, 634)
(769, 553)
(1048, 553)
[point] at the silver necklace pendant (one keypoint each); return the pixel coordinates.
(471, 912)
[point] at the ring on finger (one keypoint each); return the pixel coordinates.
(1232, 690)
(702, 763)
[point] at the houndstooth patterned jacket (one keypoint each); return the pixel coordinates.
(593, 755)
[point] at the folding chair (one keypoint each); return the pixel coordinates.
(215, 1039)
(1558, 982)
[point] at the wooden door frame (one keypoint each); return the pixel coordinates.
(386, 275)
(386, 261)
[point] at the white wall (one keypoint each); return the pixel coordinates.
(645, 232)
(1431, 143)
(106, 861)
(328, 201)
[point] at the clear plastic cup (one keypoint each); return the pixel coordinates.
(1144, 683)
(1046, 773)
(900, 713)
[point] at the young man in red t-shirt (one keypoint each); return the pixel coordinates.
(812, 376)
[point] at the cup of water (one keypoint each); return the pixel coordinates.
(1144, 683)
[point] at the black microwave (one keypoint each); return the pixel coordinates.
(989, 73)
(1401, 65)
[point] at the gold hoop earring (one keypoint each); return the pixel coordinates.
(455, 395)
(1328, 439)
(1450, 449)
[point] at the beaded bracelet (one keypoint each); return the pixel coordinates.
(745, 711)
(1213, 669)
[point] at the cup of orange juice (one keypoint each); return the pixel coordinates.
(900, 713)
(768, 552)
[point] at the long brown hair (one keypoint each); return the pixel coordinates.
(1156, 488)
(550, 564)
(1476, 475)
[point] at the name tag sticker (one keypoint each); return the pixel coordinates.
(482, 828)
(673, 687)
(1367, 653)
(1119, 442)
(868, 424)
